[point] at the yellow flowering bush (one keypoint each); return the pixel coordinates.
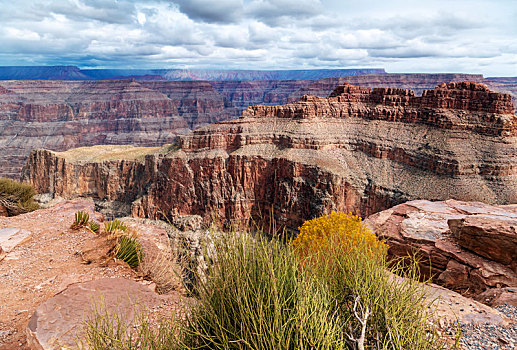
(343, 230)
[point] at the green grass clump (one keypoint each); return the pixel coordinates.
(81, 219)
(129, 250)
(256, 298)
(328, 291)
(115, 227)
(110, 330)
(16, 197)
(94, 227)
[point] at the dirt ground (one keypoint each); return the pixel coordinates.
(52, 258)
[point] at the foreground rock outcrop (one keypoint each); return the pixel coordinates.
(51, 274)
(59, 322)
(469, 247)
(360, 150)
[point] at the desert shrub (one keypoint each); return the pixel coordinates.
(163, 268)
(345, 230)
(115, 228)
(128, 249)
(94, 227)
(16, 197)
(338, 292)
(81, 219)
(377, 308)
(255, 298)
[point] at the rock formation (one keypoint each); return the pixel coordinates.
(59, 322)
(469, 247)
(60, 115)
(360, 150)
(413, 81)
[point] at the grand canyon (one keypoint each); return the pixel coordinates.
(258, 174)
(59, 115)
(437, 151)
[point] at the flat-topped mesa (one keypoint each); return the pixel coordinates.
(457, 106)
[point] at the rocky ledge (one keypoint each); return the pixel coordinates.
(360, 150)
(469, 247)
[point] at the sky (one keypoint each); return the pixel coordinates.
(468, 36)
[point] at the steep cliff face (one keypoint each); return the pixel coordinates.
(196, 101)
(243, 94)
(413, 81)
(360, 150)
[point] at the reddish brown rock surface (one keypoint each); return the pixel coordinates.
(469, 247)
(413, 81)
(360, 150)
(60, 115)
(58, 322)
(44, 256)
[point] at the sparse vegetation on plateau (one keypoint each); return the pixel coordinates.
(128, 249)
(16, 197)
(331, 288)
(81, 219)
(115, 228)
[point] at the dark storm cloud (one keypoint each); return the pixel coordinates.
(108, 11)
(283, 12)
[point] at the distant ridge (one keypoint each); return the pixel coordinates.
(41, 73)
(75, 73)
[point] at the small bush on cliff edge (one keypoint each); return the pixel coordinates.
(81, 219)
(17, 197)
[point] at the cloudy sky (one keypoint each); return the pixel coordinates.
(470, 36)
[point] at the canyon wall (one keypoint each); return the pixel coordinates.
(60, 115)
(360, 150)
(413, 81)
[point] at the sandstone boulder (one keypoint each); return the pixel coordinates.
(468, 247)
(57, 322)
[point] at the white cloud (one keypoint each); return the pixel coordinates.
(460, 36)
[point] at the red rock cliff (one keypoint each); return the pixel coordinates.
(360, 150)
(59, 115)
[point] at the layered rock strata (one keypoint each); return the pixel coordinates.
(360, 150)
(60, 115)
(63, 115)
(469, 247)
